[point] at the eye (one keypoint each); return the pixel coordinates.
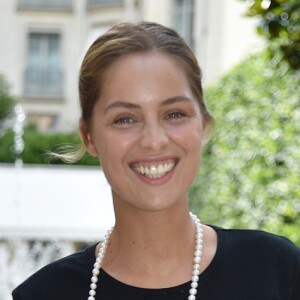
(175, 115)
(124, 120)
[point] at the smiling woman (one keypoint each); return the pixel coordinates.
(143, 115)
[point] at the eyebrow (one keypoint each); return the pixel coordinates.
(129, 105)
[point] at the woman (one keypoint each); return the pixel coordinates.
(143, 115)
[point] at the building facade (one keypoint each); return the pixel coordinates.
(43, 43)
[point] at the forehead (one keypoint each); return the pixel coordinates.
(148, 61)
(138, 73)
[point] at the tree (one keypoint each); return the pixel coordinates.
(7, 103)
(250, 170)
(279, 23)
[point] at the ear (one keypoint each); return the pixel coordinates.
(86, 139)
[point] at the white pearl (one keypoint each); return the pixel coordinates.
(91, 298)
(93, 286)
(196, 272)
(194, 284)
(196, 267)
(195, 278)
(95, 271)
(197, 260)
(198, 247)
(192, 297)
(92, 292)
(199, 236)
(199, 242)
(193, 291)
(94, 279)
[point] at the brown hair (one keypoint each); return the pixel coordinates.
(127, 38)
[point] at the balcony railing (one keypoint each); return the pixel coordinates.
(57, 5)
(43, 84)
(99, 3)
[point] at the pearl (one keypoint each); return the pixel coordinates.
(193, 291)
(94, 279)
(198, 247)
(96, 271)
(196, 260)
(93, 286)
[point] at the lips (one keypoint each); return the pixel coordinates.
(154, 170)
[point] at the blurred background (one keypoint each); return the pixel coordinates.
(249, 52)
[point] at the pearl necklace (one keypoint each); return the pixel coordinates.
(196, 266)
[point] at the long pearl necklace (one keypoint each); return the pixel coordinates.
(196, 266)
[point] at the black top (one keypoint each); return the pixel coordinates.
(248, 265)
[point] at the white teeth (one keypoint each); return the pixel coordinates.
(146, 171)
(155, 171)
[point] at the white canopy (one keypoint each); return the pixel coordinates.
(54, 202)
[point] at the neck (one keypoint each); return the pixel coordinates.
(151, 243)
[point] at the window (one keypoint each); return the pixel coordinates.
(43, 77)
(43, 122)
(183, 19)
(95, 3)
(42, 5)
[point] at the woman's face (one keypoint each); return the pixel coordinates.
(147, 129)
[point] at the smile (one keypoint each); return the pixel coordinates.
(154, 171)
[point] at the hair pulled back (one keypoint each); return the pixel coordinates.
(127, 38)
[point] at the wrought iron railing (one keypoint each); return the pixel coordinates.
(45, 4)
(95, 3)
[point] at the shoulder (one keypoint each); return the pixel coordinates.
(267, 261)
(261, 250)
(258, 240)
(60, 278)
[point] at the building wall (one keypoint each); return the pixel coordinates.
(220, 36)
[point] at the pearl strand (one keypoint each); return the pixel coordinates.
(196, 261)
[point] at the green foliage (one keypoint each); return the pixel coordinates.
(250, 175)
(7, 102)
(38, 144)
(279, 23)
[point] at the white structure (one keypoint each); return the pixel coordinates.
(46, 212)
(43, 42)
(54, 202)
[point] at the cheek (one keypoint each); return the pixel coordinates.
(190, 137)
(112, 146)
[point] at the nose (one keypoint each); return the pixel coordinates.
(154, 137)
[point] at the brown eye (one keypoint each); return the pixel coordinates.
(124, 120)
(175, 115)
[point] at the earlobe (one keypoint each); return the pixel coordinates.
(87, 139)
